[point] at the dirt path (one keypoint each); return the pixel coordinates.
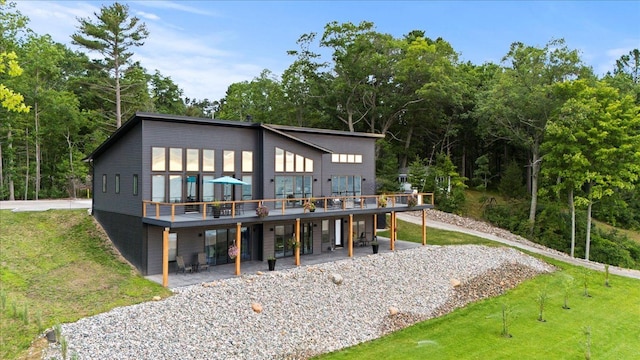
(471, 226)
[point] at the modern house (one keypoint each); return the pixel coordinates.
(171, 186)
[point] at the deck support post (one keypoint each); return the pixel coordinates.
(296, 250)
(165, 257)
(424, 226)
(350, 235)
(392, 243)
(238, 244)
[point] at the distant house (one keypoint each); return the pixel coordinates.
(157, 190)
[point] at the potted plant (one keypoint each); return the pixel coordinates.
(262, 211)
(382, 201)
(374, 246)
(293, 244)
(272, 263)
(310, 205)
(215, 209)
(233, 252)
(412, 200)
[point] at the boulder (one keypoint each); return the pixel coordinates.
(336, 278)
(257, 307)
(393, 310)
(455, 282)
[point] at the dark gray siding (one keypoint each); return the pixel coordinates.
(127, 234)
(122, 158)
(271, 141)
(200, 136)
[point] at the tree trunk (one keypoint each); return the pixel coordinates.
(588, 242)
(572, 206)
(37, 143)
(535, 170)
(72, 176)
(11, 167)
(118, 105)
(26, 175)
(1, 172)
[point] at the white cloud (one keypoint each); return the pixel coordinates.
(147, 16)
(196, 62)
(172, 6)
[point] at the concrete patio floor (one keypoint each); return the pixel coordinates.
(251, 267)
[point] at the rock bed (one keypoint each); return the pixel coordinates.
(304, 312)
(483, 227)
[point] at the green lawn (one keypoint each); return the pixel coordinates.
(612, 315)
(55, 267)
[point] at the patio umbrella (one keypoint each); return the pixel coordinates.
(227, 180)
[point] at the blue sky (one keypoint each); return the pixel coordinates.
(205, 46)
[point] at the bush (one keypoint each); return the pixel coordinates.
(511, 183)
(512, 216)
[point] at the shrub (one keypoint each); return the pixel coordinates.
(511, 183)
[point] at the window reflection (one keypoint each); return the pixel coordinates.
(193, 160)
(208, 160)
(247, 161)
(158, 159)
(175, 159)
(228, 161)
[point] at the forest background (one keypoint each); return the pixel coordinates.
(540, 129)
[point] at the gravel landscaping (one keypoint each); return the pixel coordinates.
(297, 313)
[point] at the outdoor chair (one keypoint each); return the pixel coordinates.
(362, 240)
(182, 266)
(202, 262)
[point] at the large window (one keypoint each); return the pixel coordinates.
(175, 188)
(293, 186)
(346, 185)
(247, 161)
(279, 164)
(286, 161)
(359, 230)
(208, 160)
(175, 159)
(158, 161)
(217, 243)
(284, 235)
(207, 188)
(157, 188)
(247, 190)
(326, 235)
(193, 160)
(229, 159)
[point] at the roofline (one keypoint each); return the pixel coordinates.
(289, 136)
(278, 129)
(323, 131)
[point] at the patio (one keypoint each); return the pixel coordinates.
(251, 267)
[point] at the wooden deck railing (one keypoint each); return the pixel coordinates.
(325, 203)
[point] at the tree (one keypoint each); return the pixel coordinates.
(112, 36)
(482, 174)
(520, 102)
(12, 26)
(166, 95)
(594, 146)
(611, 144)
(11, 100)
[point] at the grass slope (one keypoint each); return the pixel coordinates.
(56, 267)
(612, 315)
